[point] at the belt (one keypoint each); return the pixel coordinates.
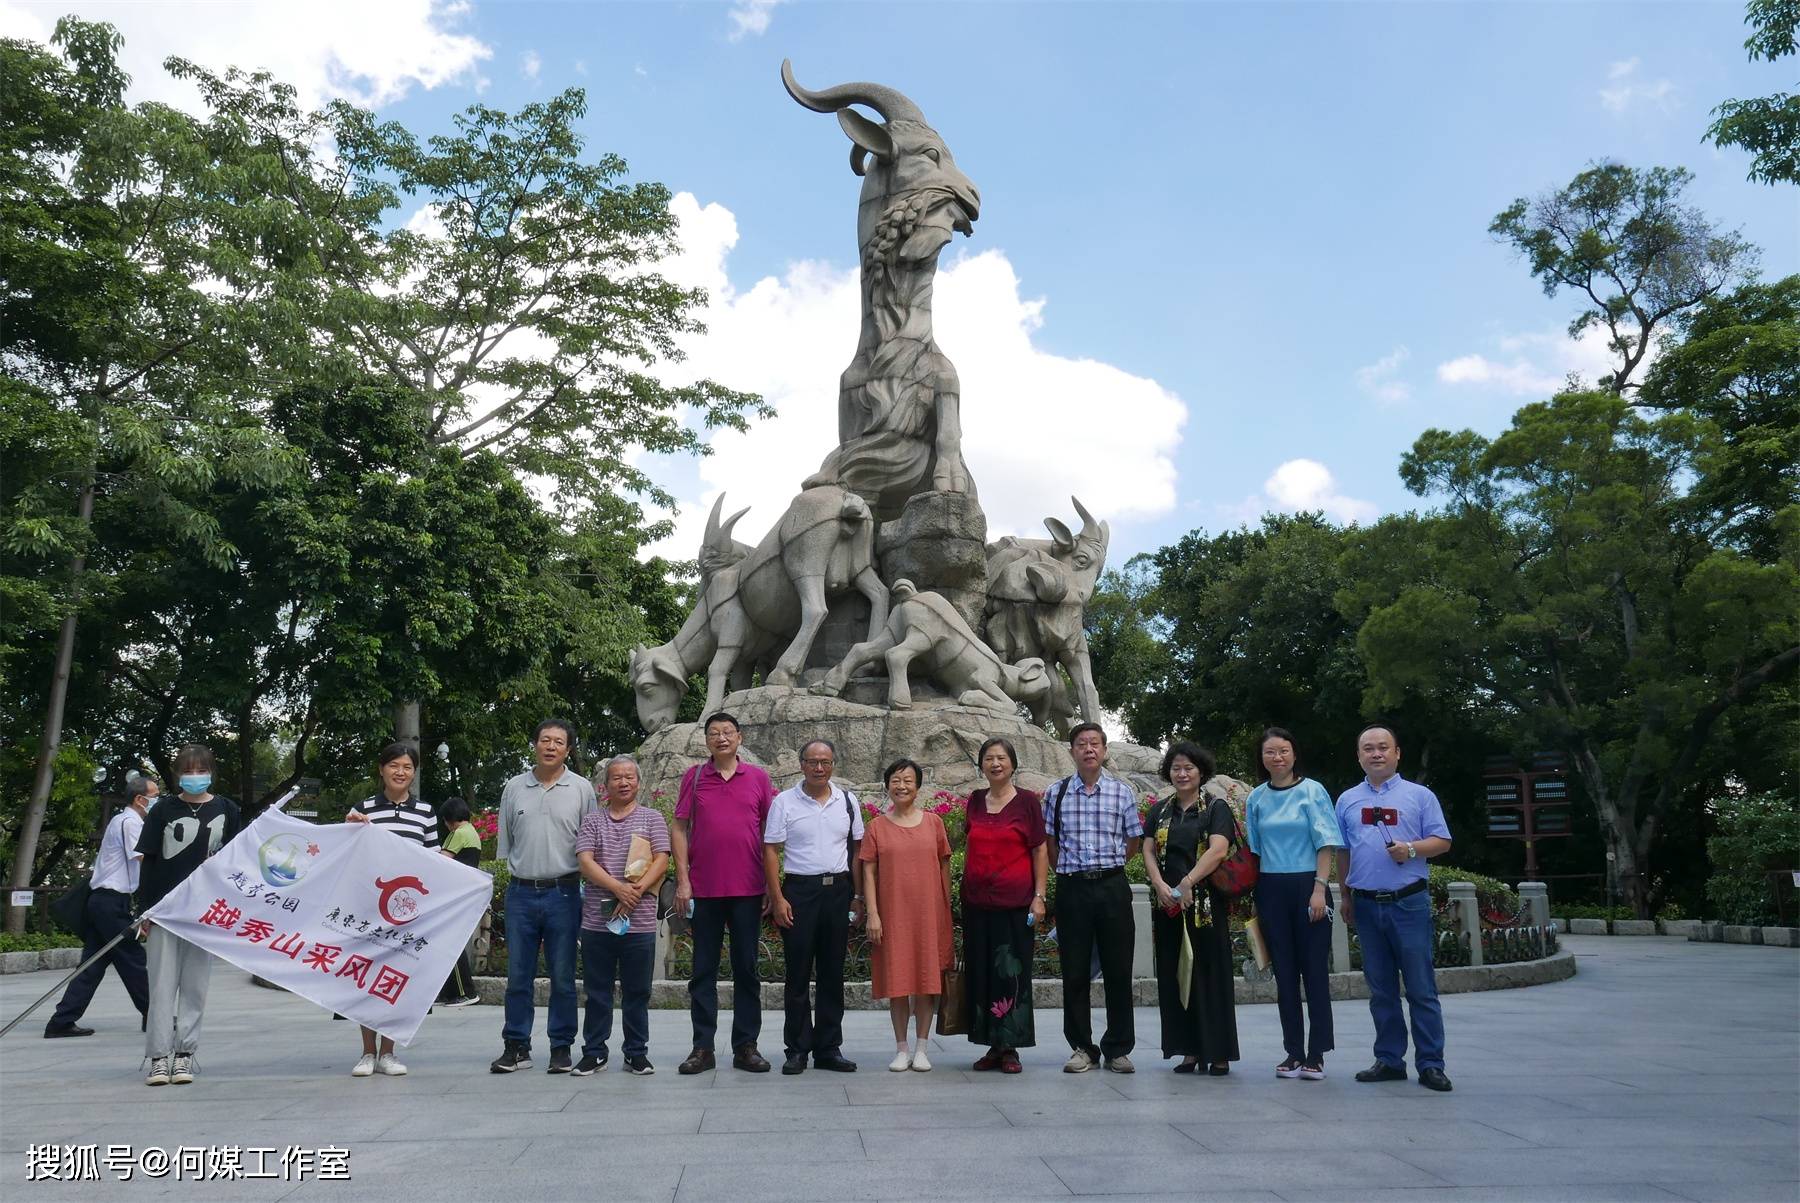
(110, 890)
(547, 883)
(824, 879)
(1095, 874)
(1391, 895)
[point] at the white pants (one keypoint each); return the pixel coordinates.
(179, 972)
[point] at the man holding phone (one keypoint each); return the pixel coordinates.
(1392, 828)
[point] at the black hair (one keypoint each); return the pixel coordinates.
(720, 716)
(453, 810)
(1262, 770)
(567, 727)
(1004, 745)
(887, 774)
(1080, 729)
(198, 757)
(1203, 760)
(395, 751)
(1379, 724)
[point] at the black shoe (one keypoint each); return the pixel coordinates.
(639, 1065)
(586, 1067)
(698, 1062)
(1217, 1071)
(559, 1060)
(837, 1063)
(1382, 1072)
(749, 1060)
(795, 1064)
(1186, 1067)
(516, 1056)
(1434, 1079)
(52, 1032)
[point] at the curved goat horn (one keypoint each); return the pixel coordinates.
(1087, 519)
(712, 522)
(883, 99)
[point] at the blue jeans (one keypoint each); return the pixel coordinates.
(1396, 945)
(548, 918)
(631, 958)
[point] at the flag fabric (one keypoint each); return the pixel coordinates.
(347, 915)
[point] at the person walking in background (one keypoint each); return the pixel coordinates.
(720, 812)
(1186, 837)
(1292, 827)
(1006, 871)
(1094, 828)
(1391, 828)
(540, 813)
(179, 834)
(623, 850)
(906, 875)
(814, 828)
(394, 809)
(462, 843)
(111, 884)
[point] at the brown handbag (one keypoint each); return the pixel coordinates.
(953, 1011)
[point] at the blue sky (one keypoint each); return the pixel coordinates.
(1217, 240)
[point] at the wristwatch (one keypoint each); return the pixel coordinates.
(1040, 898)
(1412, 851)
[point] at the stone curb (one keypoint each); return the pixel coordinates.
(32, 961)
(1046, 994)
(1700, 931)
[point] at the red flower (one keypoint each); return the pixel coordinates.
(1000, 1008)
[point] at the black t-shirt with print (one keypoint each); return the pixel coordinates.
(177, 837)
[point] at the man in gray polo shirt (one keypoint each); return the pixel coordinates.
(540, 815)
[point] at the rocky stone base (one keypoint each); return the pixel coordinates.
(941, 736)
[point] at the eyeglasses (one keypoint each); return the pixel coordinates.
(816, 763)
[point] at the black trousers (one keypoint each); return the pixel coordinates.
(815, 944)
(108, 914)
(1301, 952)
(712, 918)
(1092, 914)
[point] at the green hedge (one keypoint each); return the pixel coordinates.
(38, 942)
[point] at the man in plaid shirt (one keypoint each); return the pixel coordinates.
(1094, 827)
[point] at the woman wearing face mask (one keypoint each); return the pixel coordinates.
(906, 877)
(1004, 873)
(393, 809)
(180, 832)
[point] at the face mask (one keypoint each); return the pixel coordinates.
(195, 783)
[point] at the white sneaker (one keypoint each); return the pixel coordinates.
(921, 1062)
(181, 1071)
(159, 1072)
(390, 1066)
(365, 1065)
(1078, 1063)
(1120, 1064)
(902, 1062)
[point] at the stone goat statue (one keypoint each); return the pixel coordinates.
(899, 401)
(1037, 599)
(925, 631)
(823, 546)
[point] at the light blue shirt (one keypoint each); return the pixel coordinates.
(1287, 827)
(1418, 817)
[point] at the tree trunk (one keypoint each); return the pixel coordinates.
(25, 855)
(406, 730)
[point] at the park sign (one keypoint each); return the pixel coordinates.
(349, 916)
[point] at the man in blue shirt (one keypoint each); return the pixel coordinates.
(1391, 828)
(1094, 828)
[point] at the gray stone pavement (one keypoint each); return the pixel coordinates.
(1664, 1070)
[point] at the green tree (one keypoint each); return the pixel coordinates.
(1767, 126)
(1625, 245)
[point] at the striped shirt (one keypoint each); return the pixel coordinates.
(412, 819)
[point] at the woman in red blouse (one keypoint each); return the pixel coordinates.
(1004, 873)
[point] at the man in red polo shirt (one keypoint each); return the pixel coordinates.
(718, 843)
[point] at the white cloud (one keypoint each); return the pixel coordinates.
(750, 18)
(1625, 89)
(1025, 412)
(372, 54)
(1536, 364)
(530, 64)
(1378, 379)
(1306, 484)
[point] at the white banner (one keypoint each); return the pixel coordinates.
(350, 916)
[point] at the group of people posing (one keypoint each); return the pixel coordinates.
(584, 877)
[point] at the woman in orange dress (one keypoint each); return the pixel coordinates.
(906, 869)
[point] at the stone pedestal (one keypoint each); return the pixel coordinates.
(1536, 897)
(939, 543)
(1465, 915)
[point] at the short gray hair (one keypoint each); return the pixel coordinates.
(139, 783)
(621, 758)
(800, 752)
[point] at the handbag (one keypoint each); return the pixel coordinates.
(1236, 875)
(69, 908)
(953, 1011)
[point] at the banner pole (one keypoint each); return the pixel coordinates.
(131, 930)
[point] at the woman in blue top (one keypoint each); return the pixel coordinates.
(1291, 825)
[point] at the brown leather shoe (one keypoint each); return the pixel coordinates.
(698, 1062)
(749, 1060)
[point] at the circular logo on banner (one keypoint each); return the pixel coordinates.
(281, 858)
(400, 897)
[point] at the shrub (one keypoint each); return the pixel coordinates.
(1758, 835)
(38, 942)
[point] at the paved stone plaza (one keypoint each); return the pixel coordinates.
(1664, 1070)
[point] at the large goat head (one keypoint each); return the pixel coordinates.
(913, 193)
(660, 682)
(717, 548)
(1080, 551)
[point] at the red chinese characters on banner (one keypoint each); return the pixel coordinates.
(220, 915)
(321, 957)
(356, 968)
(389, 982)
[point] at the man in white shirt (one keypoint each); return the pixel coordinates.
(819, 824)
(111, 884)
